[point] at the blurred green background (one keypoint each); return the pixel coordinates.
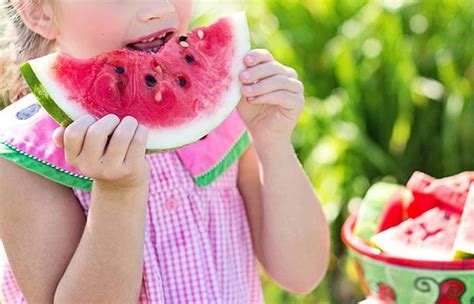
(390, 90)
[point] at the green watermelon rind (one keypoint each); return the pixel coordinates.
(462, 255)
(44, 168)
(162, 139)
(43, 96)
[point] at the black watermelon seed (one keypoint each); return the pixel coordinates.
(119, 70)
(182, 38)
(204, 137)
(182, 82)
(150, 80)
(189, 59)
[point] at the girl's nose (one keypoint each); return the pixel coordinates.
(156, 10)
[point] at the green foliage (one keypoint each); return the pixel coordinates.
(389, 88)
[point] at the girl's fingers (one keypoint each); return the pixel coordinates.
(120, 141)
(257, 56)
(284, 99)
(58, 137)
(97, 136)
(265, 70)
(74, 136)
(274, 83)
(137, 147)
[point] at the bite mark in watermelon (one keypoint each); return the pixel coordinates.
(428, 237)
(180, 93)
(464, 244)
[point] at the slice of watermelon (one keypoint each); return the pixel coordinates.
(452, 191)
(428, 237)
(422, 201)
(180, 93)
(449, 192)
(464, 244)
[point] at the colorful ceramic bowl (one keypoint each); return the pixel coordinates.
(399, 280)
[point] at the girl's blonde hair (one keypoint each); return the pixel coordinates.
(17, 44)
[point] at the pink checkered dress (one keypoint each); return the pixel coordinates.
(198, 246)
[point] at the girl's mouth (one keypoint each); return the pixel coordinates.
(152, 43)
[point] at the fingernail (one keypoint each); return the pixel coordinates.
(248, 89)
(249, 59)
(131, 119)
(251, 98)
(245, 75)
(113, 116)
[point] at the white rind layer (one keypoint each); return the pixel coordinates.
(42, 69)
(165, 138)
(199, 127)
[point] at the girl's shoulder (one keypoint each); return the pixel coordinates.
(26, 139)
(26, 132)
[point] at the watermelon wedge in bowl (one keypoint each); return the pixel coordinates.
(180, 93)
(464, 244)
(426, 258)
(388, 278)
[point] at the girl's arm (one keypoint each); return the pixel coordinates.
(41, 223)
(108, 263)
(56, 254)
(290, 232)
(291, 235)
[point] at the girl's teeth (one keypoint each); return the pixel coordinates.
(154, 38)
(148, 40)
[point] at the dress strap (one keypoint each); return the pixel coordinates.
(26, 139)
(26, 132)
(210, 157)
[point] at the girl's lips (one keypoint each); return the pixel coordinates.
(153, 35)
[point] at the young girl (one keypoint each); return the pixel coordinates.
(147, 231)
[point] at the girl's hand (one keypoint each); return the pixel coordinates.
(272, 98)
(116, 164)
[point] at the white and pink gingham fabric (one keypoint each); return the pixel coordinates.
(198, 246)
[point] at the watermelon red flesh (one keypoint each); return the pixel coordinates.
(394, 211)
(180, 93)
(449, 193)
(464, 245)
(428, 237)
(98, 87)
(422, 201)
(452, 191)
